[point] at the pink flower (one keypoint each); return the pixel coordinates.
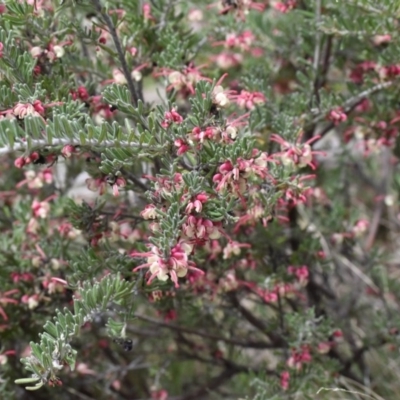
(22, 110)
(357, 74)
(159, 394)
(165, 186)
(195, 15)
(229, 178)
(19, 162)
(58, 51)
(83, 93)
(38, 106)
(360, 227)
(147, 12)
(32, 301)
(68, 150)
(175, 266)
(270, 297)
(229, 281)
(220, 97)
(171, 117)
(301, 273)
(120, 182)
(5, 299)
(285, 7)
(149, 212)
(299, 357)
(21, 277)
(299, 154)
(36, 51)
(119, 77)
(183, 81)
(249, 100)
(4, 356)
(182, 146)
(171, 315)
(285, 377)
(54, 284)
(196, 204)
(200, 229)
(234, 178)
(337, 116)
(324, 347)
(136, 74)
(389, 71)
(232, 40)
(321, 255)
(242, 40)
(34, 156)
(200, 135)
(83, 369)
(381, 39)
(40, 209)
(225, 60)
(337, 335)
(133, 51)
(95, 184)
(37, 180)
(253, 215)
(233, 248)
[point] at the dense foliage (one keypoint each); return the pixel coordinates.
(199, 200)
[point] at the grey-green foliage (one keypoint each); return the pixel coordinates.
(54, 350)
(16, 65)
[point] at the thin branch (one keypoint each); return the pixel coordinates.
(317, 49)
(207, 387)
(380, 207)
(358, 168)
(122, 216)
(38, 143)
(135, 180)
(349, 105)
(355, 100)
(163, 19)
(275, 337)
(230, 370)
(326, 61)
(320, 72)
(78, 395)
(250, 344)
(108, 21)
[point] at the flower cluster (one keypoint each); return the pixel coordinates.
(174, 266)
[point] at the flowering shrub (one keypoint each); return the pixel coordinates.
(199, 199)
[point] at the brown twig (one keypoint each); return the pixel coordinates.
(235, 342)
(113, 32)
(348, 107)
(277, 340)
(380, 206)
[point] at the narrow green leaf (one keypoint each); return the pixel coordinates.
(103, 133)
(90, 132)
(132, 136)
(58, 127)
(36, 387)
(11, 138)
(49, 136)
(25, 380)
(67, 127)
(82, 138)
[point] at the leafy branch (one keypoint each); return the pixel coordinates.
(121, 57)
(54, 350)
